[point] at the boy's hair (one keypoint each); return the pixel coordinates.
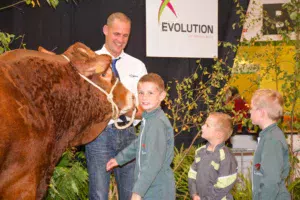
(117, 15)
(154, 78)
(223, 123)
(270, 100)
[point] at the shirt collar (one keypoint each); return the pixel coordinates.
(266, 130)
(219, 146)
(105, 51)
(147, 115)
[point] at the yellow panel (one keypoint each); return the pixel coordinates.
(254, 61)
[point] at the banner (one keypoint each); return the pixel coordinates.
(258, 27)
(182, 28)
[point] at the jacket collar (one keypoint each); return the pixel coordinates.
(267, 130)
(147, 115)
(219, 146)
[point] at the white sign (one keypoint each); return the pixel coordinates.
(182, 28)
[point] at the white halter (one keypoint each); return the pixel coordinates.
(109, 96)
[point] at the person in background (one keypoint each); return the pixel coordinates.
(214, 170)
(112, 140)
(271, 158)
(154, 148)
(239, 107)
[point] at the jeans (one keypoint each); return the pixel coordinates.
(98, 152)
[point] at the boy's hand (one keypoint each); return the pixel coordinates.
(196, 197)
(135, 196)
(111, 164)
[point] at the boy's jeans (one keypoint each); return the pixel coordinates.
(99, 152)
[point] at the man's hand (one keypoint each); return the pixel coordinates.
(111, 164)
(196, 197)
(135, 196)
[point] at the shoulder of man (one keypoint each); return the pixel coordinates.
(100, 51)
(132, 59)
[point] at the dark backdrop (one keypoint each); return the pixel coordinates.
(56, 29)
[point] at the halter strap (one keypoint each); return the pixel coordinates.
(109, 96)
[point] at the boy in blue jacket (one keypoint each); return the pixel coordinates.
(154, 148)
(271, 158)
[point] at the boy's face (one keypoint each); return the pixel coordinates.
(208, 129)
(149, 96)
(255, 114)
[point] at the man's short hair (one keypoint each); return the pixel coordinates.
(117, 15)
(154, 78)
(223, 123)
(270, 100)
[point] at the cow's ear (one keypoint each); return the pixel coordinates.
(86, 52)
(83, 52)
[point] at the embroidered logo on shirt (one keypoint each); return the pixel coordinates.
(258, 170)
(257, 166)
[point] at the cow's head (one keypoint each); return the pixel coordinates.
(104, 77)
(97, 68)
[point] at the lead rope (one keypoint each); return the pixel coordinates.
(109, 96)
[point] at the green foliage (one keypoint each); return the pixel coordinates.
(113, 190)
(70, 178)
(5, 40)
(34, 3)
(293, 184)
(53, 3)
(294, 189)
(204, 89)
(242, 190)
(183, 158)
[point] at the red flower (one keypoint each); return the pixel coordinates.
(257, 166)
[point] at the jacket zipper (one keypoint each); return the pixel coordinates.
(144, 124)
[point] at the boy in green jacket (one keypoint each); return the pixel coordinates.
(271, 159)
(154, 148)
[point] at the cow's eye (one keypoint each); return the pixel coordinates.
(103, 74)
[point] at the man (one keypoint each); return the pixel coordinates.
(112, 140)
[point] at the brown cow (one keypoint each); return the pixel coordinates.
(45, 106)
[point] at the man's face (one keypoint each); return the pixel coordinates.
(116, 36)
